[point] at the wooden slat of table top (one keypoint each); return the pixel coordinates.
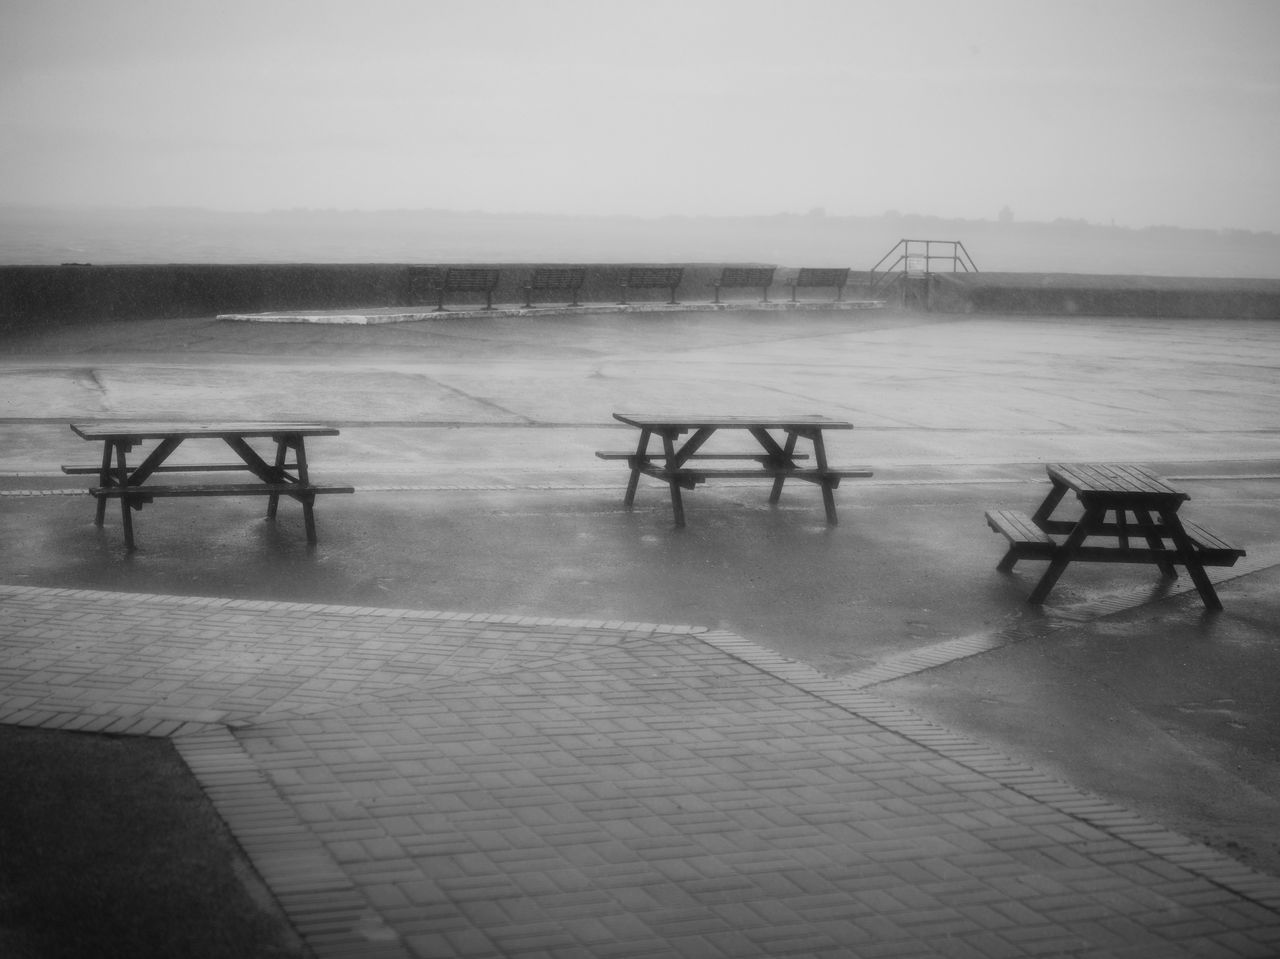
(697, 420)
(161, 430)
(1117, 479)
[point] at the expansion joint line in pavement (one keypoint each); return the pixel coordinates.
(327, 900)
(1020, 777)
(1055, 620)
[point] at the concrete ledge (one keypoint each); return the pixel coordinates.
(376, 316)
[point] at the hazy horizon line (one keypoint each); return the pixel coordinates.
(816, 213)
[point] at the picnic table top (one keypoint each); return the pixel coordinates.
(715, 421)
(144, 430)
(1113, 480)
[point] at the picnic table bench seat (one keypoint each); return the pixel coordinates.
(1029, 541)
(1026, 539)
(184, 468)
(631, 454)
(700, 474)
(146, 493)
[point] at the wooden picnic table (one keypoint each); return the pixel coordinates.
(1120, 504)
(681, 463)
(283, 475)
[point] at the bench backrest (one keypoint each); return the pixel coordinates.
(809, 276)
(558, 278)
(464, 279)
(746, 276)
(648, 277)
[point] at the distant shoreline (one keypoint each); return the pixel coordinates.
(38, 236)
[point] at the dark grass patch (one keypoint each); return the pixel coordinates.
(108, 847)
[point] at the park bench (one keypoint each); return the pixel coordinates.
(467, 280)
(740, 276)
(652, 278)
(820, 277)
(568, 278)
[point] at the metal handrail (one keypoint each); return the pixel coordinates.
(906, 255)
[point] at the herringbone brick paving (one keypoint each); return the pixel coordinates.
(421, 784)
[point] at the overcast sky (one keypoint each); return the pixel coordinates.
(1137, 112)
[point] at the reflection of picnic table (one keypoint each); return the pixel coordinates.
(683, 465)
(1110, 495)
(280, 477)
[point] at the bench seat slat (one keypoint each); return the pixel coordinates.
(158, 430)
(1213, 549)
(1028, 541)
(701, 474)
(221, 489)
(1018, 528)
(657, 457)
(176, 468)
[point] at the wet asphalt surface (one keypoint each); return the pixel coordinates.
(471, 441)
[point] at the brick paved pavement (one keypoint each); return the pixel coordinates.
(433, 784)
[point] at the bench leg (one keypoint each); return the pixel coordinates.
(677, 503)
(828, 483)
(1065, 553)
(776, 493)
(309, 517)
(126, 520)
(1191, 561)
(642, 450)
(126, 509)
(273, 501)
(104, 479)
(1155, 542)
(1010, 560)
(632, 483)
(829, 502)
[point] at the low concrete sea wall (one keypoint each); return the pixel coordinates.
(1066, 294)
(34, 297)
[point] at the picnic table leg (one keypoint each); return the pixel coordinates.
(104, 480)
(1051, 501)
(1062, 556)
(282, 448)
(1190, 560)
(633, 481)
(126, 508)
(1155, 542)
(828, 482)
(677, 504)
(787, 450)
(309, 501)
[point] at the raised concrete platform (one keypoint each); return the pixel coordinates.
(379, 315)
